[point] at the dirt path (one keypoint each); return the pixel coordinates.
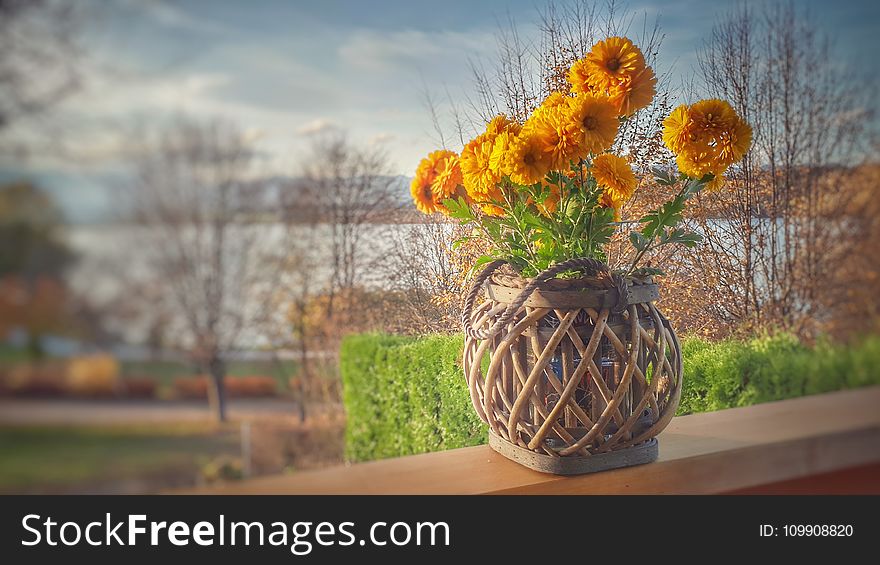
(108, 412)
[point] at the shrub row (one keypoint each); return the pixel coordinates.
(734, 373)
(252, 386)
(407, 395)
(97, 376)
(404, 396)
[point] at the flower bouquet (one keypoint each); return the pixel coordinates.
(583, 370)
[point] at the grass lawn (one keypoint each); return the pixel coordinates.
(48, 459)
(164, 372)
(10, 355)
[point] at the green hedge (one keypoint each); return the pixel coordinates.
(733, 373)
(407, 395)
(404, 396)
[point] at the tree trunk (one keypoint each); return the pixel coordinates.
(35, 350)
(217, 393)
(305, 374)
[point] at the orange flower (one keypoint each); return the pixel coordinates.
(479, 179)
(615, 68)
(448, 177)
(678, 129)
(707, 136)
(579, 78)
(594, 120)
(551, 129)
(614, 176)
(498, 160)
(527, 162)
(612, 61)
(423, 196)
(697, 160)
(634, 92)
(712, 116)
(437, 177)
(734, 142)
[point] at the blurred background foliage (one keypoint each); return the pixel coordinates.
(194, 333)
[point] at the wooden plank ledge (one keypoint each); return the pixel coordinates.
(714, 452)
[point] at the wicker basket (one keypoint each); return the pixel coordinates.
(582, 373)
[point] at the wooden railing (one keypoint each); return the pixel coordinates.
(824, 443)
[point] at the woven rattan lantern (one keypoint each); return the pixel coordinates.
(571, 375)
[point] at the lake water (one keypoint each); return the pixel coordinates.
(117, 259)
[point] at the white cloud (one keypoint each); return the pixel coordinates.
(169, 15)
(378, 51)
(381, 138)
(319, 125)
(109, 96)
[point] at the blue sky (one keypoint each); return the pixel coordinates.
(282, 69)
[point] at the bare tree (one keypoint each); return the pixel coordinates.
(40, 55)
(188, 198)
(426, 277)
(352, 193)
(331, 221)
(38, 44)
(783, 230)
(289, 321)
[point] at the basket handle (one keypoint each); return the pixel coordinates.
(591, 266)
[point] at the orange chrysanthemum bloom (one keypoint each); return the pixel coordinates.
(579, 78)
(594, 119)
(697, 160)
(448, 177)
(501, 123)
(614, 176)
(555, 100)
(707, 136)
(478, 178)
(527, 162)
(616, 68)
(734, 142)
(712, 116)
(499, 159)
(611, 61)
(422, 196)
(678, 129)
(634, 92)
(551, 129)
(437, 177)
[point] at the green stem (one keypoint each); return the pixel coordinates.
(517, 224)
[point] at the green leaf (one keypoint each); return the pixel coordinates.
(638, 241)
(481, 261)
(668, 215)
(535, 221)
(680, 236)
(664, 177)
(693, 186)
(459, 209)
